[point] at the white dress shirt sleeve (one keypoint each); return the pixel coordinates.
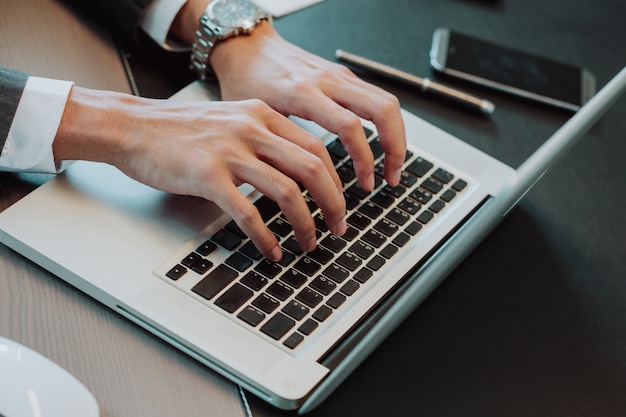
(28, 147)
(157, 20)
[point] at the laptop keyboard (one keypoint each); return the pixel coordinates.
(291, 299)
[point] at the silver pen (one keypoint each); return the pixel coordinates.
(424, 84)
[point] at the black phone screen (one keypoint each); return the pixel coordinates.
(514, 68)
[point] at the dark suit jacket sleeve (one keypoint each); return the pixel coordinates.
(121, 17)
(12, 85)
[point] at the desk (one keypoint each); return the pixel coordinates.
(532, 323)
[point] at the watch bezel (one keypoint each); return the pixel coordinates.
(224, 18)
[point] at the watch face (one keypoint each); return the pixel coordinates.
(232, 13)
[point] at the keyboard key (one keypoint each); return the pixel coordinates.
(191, 259)
(425, 217)
(401, 240)
(398, 216)
(251, 251)
(459, 185)
(419, 167)
(206, 248)
(308, 327)
(215, 281)
(176, 272)
(407, 179)
(277, 326)
(291, 244)
(251, 315)
(265, 303)
(413, 228)
(383, 199)
(267, 207)
(410, 206)
(361, 249)
(293, 340)
(374, 238)
(359, 220)
(323, 285)
(421, 196)
(322, 313)
(295, 310)
(201, 266)
(309, 297)
(371, 210)
(431, 185)
(280, 290)
(437, 206)
(307, 266)
(321, 255)
(349, 261)
(268, 268)
(336, 300)
(336, 273)
(363, 275)
(334, 243)
(234, 297)
(226, 239)
(294, 278)
(386, 227)
(280, 226)
(238, 261)
(254, 280)
(337, 149)
(376, 263)
(443, 175)
(388, 251)
(350, 287)
(448, 195)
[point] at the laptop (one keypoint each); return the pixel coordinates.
(288, 332)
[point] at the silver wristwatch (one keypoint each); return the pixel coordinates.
(221, 20)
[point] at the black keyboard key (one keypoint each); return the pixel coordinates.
(267, 207)
(437, 206)
(280, 226)
(394, 191)
(361, 249)
(421, 196)
(277, 326)
(363, 275)
(280, 290)
(191, 259)
(233, 227)
(413, 228)
(201, 266)
(307, 266)
(377, 148)
(321, 255)
(401, 240)
(346, 174)
(323, 285)
(295, 310)
(359, 220)
(459, 185)
(291, 244)
(268, 268)
(336, 300)
(419, 167)
(254, 280)
(334, 243)
(431, 185)
(309, 297)
(176, 272)
(308, 327)
(374, 238)
(251, 251)
(371, 210)
(351, 201)
(351, 234)
(322, 313)
(350, 287)
(293, 340)
(265, 303)
(386, 227)
(448, 195)
(215, 281)
(294, 278)
(376, 263)
(336, 273)
(337, 149)
(349, 261)
(251, 315)
(398, 216)
(407, 179)
(388, 251)
(287, 259)
(425, 217)
(238, 261)
(234, 297)
(206, 248)
(410, 206)
(320, 223)
(443, 175)
(383, 199)
(358, 192)
(227, 239)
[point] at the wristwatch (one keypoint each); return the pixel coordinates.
(222, 19)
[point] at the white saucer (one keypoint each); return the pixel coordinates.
(34, 386)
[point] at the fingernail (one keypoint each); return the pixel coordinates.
(276, 253)
(311, 245)
(341, 227)
(370, 182)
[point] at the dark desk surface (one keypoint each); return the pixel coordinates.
(533, 323)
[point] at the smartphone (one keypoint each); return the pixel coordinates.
(511, 70)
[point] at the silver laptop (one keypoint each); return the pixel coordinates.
(288, 332)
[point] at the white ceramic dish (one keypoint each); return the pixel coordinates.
(34, 386)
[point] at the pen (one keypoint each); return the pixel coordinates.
(424, 84)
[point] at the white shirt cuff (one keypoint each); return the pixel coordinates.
(157, 20)
(28, 147)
